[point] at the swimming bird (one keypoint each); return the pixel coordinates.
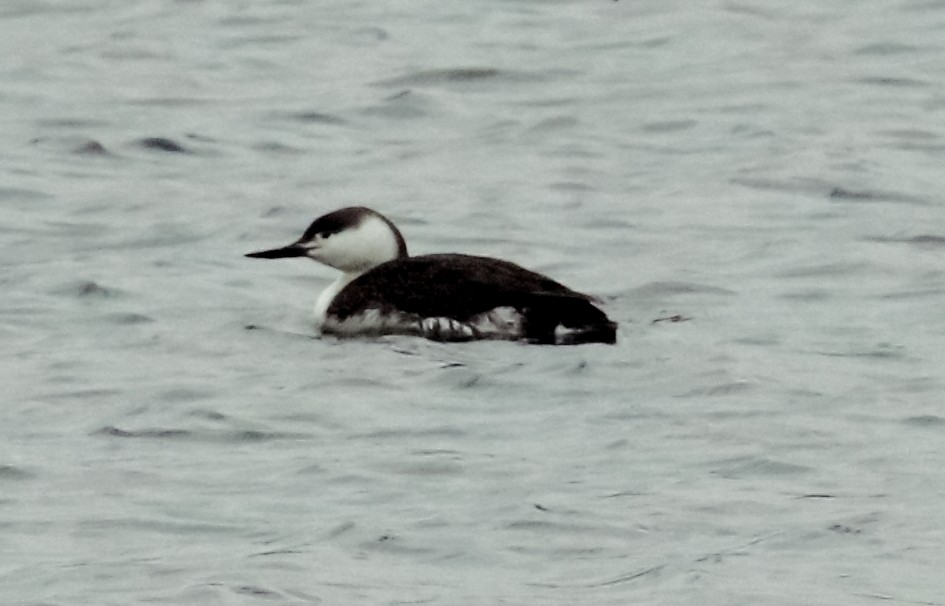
(443, 297)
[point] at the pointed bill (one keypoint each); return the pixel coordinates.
(292, 250)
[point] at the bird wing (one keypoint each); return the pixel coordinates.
(451, 286)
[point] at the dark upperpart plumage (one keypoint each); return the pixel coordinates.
(460, 287)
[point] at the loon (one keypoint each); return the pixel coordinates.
(443, 297)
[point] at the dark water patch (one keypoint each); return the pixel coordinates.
(842, 194)
(274, 211)
(373, 33)
(88, 289)
(549, 524)
(427, 468)
(921, 293)
(311, 470)
(809, 295)
(554, 124)
(409, 432)
(69, 123)
(729, 388)
(392, 543)
(758, 467)
(91, 148)
(92, 289)
(668, 126)
(168, 102)
(275, 147)
(856, 526)
(673, 319)
(255, 435)
(283, 333)
(127, 318)
(201, 138)
(12, 472)
(82, 146)
(15, 193)
(401, 105)
(276, 552)
(827, 270)
(46, 9)
(911, 134)
(73, 229)
(892, 81)
(721, 389)
(70, 144)
(885, 49)
(461, 377)
(678, 288)
(341, 529)
(142, 433)
(255, 591)
(258, 40)
(933, 421)
(228, 436)
(621, 494)
(921, 240)
(839, 193)
(919, 146)
(883, 352)
(112, 525)
(160, 235)
(82, 394)
(913, 139)
(208, 414)
(571, 186)
(462, 75)
(844, 529)
(759, 340)
(242, 20)
(788, 186)
(629, 577)
(162, 144)
(315, 117)
(185, 394)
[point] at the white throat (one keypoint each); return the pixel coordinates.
(328, 295)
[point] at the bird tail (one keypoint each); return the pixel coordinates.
(554, 319)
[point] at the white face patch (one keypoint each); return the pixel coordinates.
(358, 248)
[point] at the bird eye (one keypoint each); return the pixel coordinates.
(326, 235)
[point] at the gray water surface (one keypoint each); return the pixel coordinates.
(769, 174)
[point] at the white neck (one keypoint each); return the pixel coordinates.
(328, 295)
